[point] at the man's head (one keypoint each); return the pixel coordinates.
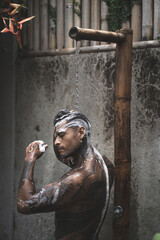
(72, 129)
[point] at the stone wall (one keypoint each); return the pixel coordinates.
(47, 84)
(44, 86)
(145, 112)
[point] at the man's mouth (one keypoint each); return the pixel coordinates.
(61, 149)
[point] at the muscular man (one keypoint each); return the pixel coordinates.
(80, 197)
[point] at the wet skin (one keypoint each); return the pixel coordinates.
(78, 197)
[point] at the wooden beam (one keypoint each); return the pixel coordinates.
(122, 135)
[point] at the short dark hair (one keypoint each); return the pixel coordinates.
(70, 115)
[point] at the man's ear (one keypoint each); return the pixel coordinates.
(82, 132)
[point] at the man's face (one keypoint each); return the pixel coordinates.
(66, 140)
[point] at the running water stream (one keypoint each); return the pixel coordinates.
(77, 53)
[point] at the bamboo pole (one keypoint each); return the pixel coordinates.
(95, 17)
(122, 135)
(95, 35)
(36, 32)
(76, 21)
(90, 49)
(136, 22)
(86, 18)
(156, 28)
(52, 25)
(147, 20)
(68, 42)
(104, 23)
(44, 24)
(60, 25)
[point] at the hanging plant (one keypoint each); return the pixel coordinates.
(12, 20)
(119, 12)
(77, 8)
(52, 13)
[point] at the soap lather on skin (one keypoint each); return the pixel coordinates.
(42, 145)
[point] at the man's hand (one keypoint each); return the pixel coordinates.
(35, 150)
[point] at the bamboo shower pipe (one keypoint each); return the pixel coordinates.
(122, 131)
(95, 35)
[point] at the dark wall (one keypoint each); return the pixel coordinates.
(8, 49)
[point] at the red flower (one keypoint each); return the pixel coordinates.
(15, 26)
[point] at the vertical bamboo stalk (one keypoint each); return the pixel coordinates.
(147, 19)
(137, 23)
(104, 23)
(60, 24)
(68, 23)
(95, 17)
(36, 23)
(122, 135)
(156, 33)
(85, 18)
(44, 24)
(30, 25)
(52, 24)
(77, 21)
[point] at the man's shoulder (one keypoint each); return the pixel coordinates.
(75, 175)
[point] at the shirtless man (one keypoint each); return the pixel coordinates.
(80, 197)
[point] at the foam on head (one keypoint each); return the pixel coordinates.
(72, 119)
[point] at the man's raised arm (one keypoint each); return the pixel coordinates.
(58, 195)
(26, 185)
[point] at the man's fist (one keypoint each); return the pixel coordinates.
(35, 150)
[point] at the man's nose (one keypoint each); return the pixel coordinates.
(57, 141)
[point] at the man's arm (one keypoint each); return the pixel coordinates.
(26, 184)
(58, 195)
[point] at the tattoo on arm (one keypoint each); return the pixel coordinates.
(32, 148)
(26, 173)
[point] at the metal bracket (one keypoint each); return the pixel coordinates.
(118, 212)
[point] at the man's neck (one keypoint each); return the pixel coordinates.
(81, 154)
